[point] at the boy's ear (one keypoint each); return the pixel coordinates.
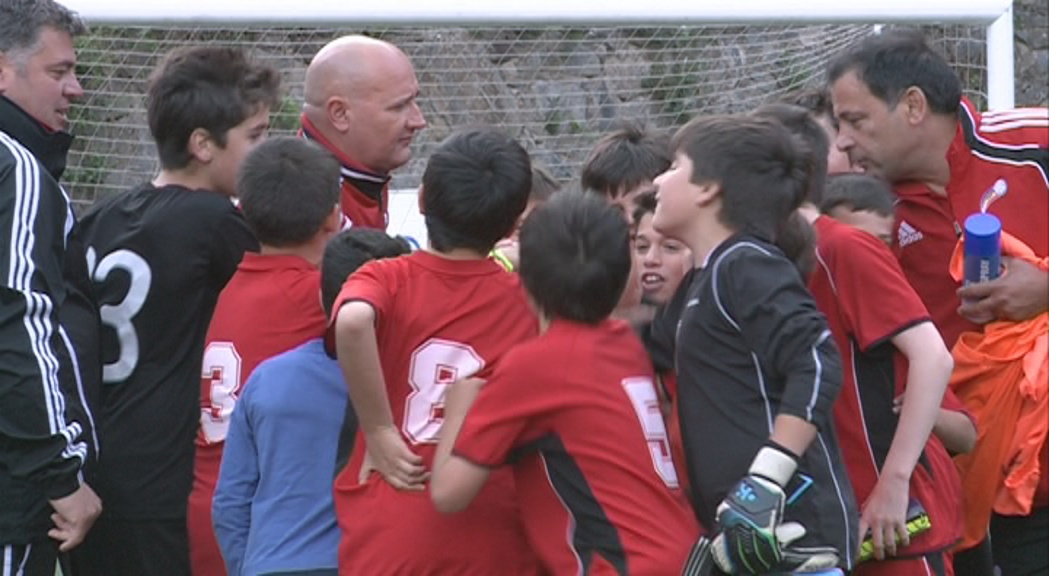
(201, 146)
(419, 199)
(333, 223)
(707, 193)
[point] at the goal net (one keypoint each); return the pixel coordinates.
(555, 88)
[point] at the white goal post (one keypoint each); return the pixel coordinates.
(997, 15)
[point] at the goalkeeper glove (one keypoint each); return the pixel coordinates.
(748, 518)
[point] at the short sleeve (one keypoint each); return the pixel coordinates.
(368, 284)
(874, 297)
(232, 239)
(502, 416)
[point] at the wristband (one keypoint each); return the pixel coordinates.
(774, 463)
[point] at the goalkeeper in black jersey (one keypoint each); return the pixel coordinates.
(757, 369)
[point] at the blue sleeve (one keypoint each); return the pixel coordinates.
(238, 480)
(764, 296)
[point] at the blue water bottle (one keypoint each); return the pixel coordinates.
(983, 248)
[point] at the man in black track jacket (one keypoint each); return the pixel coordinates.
(45, 426)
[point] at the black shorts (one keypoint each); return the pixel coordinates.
(36, 559)
(117, 547)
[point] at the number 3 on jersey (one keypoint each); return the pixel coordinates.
(221, 375)
(642, 394)
(435, 365)
(119, 316)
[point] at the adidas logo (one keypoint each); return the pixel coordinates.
(907, 234)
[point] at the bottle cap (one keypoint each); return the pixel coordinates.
(983, 235)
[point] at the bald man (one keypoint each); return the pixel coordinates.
(361, 105)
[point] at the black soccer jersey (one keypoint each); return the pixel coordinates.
(158, 258)
(750, 345)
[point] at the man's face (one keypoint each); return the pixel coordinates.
(874, 136)
(386, 117)
(44, 83)
(663, 261)
(240, 140)
(867, 220)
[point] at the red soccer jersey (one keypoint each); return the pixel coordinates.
(1006, 144)
(270, 305)
(577, 413)
(437, 321)
(926, 234)
(867, 301)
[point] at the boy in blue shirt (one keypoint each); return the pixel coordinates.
(273, 509)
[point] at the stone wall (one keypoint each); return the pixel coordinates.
(1031, 22)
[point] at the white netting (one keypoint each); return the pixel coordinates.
(555, 88)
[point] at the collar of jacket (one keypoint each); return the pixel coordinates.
(50, 147)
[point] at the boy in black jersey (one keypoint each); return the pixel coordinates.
(159, 255)
(757, 369)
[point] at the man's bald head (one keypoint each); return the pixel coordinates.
(348, 66)
(361, 96)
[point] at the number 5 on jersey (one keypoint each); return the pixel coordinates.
(642, 394)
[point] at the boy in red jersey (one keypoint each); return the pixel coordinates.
(887, 341)
(575, 411)
(289, 195)
(405, 330)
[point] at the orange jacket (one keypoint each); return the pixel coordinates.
(1001, 376)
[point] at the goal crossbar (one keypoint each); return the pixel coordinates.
(995, 14)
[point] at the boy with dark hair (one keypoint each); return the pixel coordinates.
(862, 201)
(289, 195)
(866, 202)
(544, 186)
(757, 369)
(664, 261)
(620, 168)
(887, 342)
(817, 102)
(288, 430)
(406, 329)
(562, 427)
(159, 255)
(623, 164)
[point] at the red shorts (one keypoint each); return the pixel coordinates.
(385, 531)
(204, 554)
